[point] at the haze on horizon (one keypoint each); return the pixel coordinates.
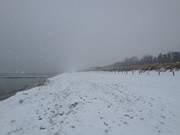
(47, 36)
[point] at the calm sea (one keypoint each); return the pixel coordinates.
(9, 85)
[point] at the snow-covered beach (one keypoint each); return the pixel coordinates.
(96, 103)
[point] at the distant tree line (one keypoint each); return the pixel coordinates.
(171, 57)
(166, 61)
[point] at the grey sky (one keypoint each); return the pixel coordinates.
(44, 35)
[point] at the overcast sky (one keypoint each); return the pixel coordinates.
(44, 35)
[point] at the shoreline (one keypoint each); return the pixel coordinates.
(9, 93)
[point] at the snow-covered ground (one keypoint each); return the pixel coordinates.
(96, 103)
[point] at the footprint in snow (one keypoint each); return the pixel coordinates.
(128, 116)
(106, 124)
(21, 101)
(61, 114)
(73, 105)
(106, 130)
(12, 121)
(73, 126)
(162, 123)
(40, 118)
(141, 118)
(163, 117)
(125, 123)
(42, 128)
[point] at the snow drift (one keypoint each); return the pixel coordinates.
(96, 103)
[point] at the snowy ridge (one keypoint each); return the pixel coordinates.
(96, 103)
